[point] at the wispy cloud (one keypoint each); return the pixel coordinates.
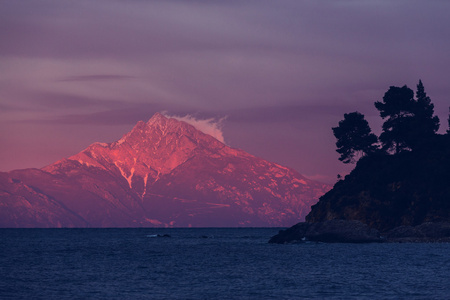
(211, 126)
(98, 77)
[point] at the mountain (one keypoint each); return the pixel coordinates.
(162, 173)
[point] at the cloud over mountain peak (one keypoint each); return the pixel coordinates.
(211, 126)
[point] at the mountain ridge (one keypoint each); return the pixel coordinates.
(163, 172)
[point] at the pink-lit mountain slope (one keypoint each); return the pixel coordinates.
(162, 173)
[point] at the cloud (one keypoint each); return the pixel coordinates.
(9, 108)
(69, 100)
(118, 115)
(101, 77)
(211, 126)
(296, 112)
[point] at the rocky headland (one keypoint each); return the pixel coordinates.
(351, 231)
(386, 198)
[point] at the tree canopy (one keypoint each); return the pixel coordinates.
(426, 124)
(409, 121)
(397, 108)
(354, 136)
(448, 130)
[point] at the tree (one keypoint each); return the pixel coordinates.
(354, 136)
(448, 130)
(409, 122)
(425, 124)
(397, 107)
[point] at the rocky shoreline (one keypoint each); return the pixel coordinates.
(352, 231)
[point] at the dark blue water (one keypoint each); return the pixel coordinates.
(228, 264)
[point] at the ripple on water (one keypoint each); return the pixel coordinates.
(229, 264)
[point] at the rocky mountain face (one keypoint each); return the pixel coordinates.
(162, 173)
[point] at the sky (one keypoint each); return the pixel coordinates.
(273, 77)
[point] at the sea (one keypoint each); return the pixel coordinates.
(212, 263)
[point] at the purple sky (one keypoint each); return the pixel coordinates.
(281, 72)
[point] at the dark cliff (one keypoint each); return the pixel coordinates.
(387, 191)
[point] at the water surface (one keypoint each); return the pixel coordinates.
(212, 263)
